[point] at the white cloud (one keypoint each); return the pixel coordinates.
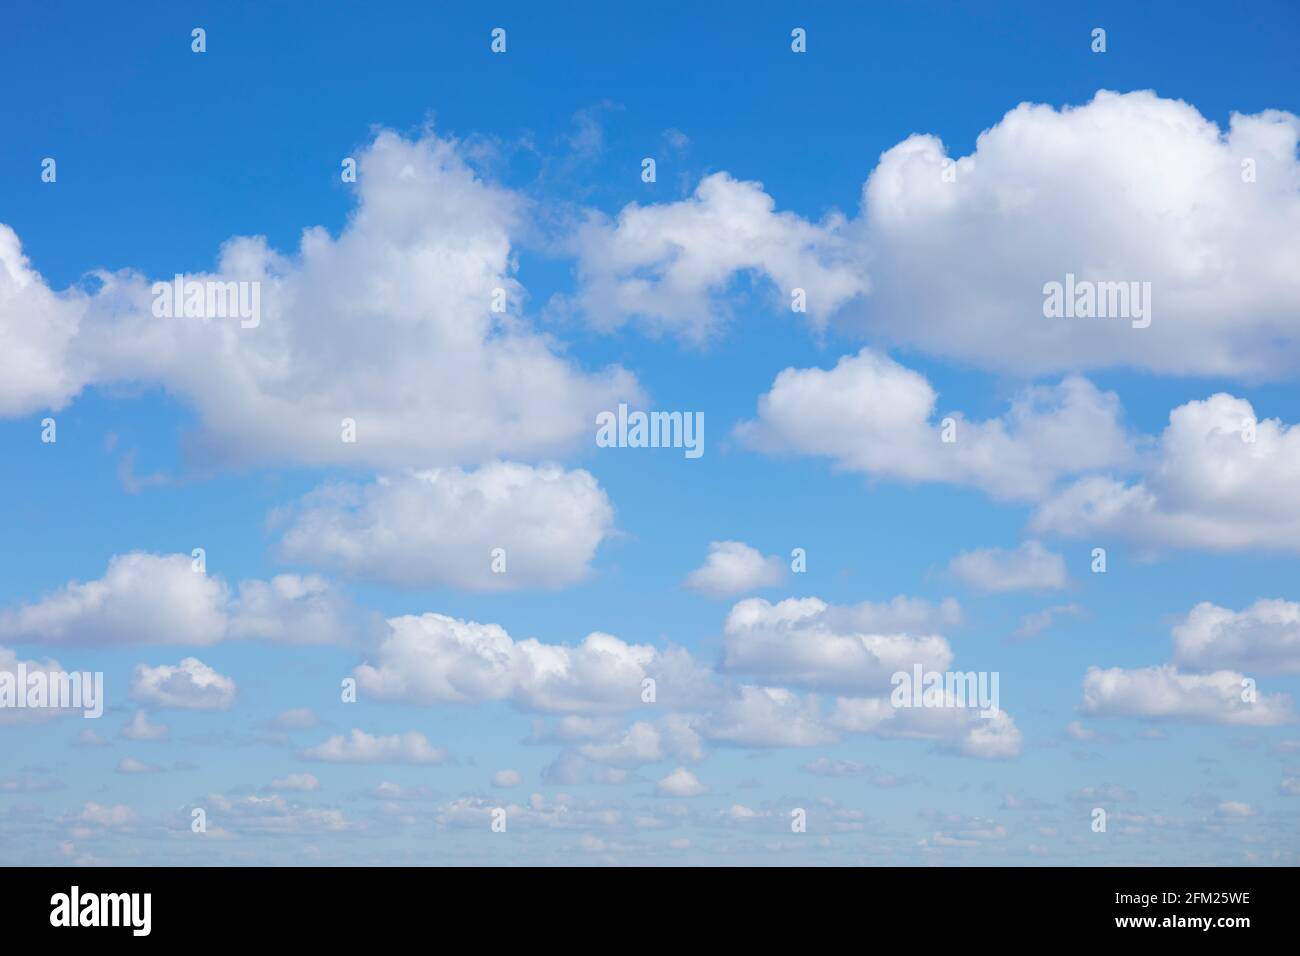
(1030, 567)
(1128, 187)
(141, 728)
(159, 599)
(806, 642)
(681, 783)
(390, 324)
(441, 527)
(141, 599)
(1205, 487)
(732, 568)
(507, 778)
(303, 782)
(1234, 810)
(1263, 638)
(361, 747)
(189, 685)
(1164, 693)
(871, 415)
(991, 738)
(666, 264)
(434, 659)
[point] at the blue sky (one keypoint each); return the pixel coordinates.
(522, 171)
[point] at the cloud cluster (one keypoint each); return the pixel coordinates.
(1217, 478)
(1128, 187)
(435, 659)
(1215, 649)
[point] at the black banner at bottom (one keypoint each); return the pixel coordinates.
(339, 905)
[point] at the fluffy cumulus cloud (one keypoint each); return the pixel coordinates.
(665, 265)
(680, 783)
(441, 527)
(141, 599)
(1030, 567)
(389, 324)
(1126, 188)
(434, 658)
(806, 642)
(870, 414)
(1166, 693)
(1219, 479)
(189, 685)
(1263, 638)
(361, 747)
(733, 567)
(161, 599)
